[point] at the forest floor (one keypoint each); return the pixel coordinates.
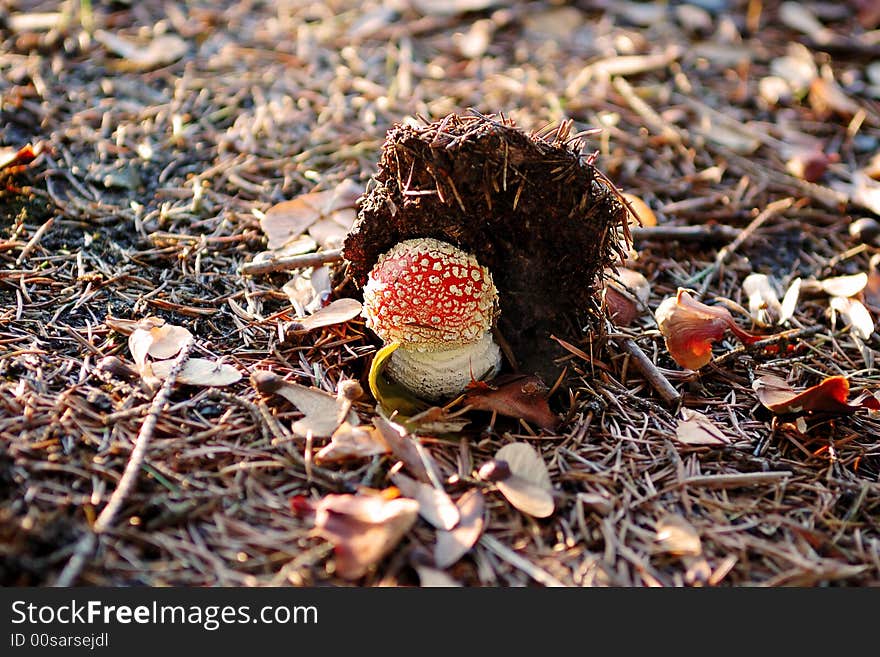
(161, 131)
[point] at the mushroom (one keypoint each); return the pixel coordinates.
(439, 303)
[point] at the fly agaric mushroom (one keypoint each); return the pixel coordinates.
(439, 303)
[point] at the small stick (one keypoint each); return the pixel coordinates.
(735, 480)
(33, 241)
(521, 563)
(770, 211)
(769, 341)
(286, 263)
(701, 232)
(87, 543)
(653, 375)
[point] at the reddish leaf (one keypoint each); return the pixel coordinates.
(829, 396)
(362, 528)
(690, 328)
(514, 395)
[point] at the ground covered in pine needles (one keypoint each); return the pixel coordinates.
(162, 130)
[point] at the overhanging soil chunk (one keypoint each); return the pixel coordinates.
(533, 209)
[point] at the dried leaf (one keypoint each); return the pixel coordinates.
(199, 372)
(153, 337)
(528, 488)
(327, 212)
(403, 447)
(644, 215)
(829, 396)
(161, 51)
(677, 536)
(362, 528)
(855, 315)
(513, 395)
(454, 544)
(764, 305)
(435, 505)
(626, 295)
(789, 301)
(827, 97)
(433, 578)
(341, 310)
(320, 408)
(690, 327)
(450, 7)
(352, 442)
(435, 420)
(844, 286)
(697, 429)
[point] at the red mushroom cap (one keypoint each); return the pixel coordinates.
(429, 295)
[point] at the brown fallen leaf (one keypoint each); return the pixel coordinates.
(352, 442)
(153, 337)
(697, 429)
(675, 535)
(528, 486)
(362, 528)
(328, 211)
(435, 505)
(855, 315)
(199, 372)
(452, 545)
(514, 395)
(764, 305)
(829, 396)
(403, 447)
(844, 286)
(341, 310)
(690, 328)
(640, 212)
(319, 408)
(161, 51)
(626, 295)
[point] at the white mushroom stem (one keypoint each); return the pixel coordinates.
(441, 374)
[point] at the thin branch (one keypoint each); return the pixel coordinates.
(287, 263)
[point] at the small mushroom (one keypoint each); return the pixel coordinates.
(439, 303)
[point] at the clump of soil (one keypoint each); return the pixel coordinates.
(533, 209)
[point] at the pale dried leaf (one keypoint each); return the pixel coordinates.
(161, 51)
(844, 286)
(451, 7)
(529, 498)
(168, 340)
(855, 315)
(764, 305)
(352, 442)
(403, 447)
(454, 544)
(199, 372)
(789, 301)
(362, 528)
(285, 222)
(433, 578)
(435, 505)
(341, 310)
(697, 429)
(330, 230)
(677, 536)
(528, 488)
(525, 461)
(320, 408)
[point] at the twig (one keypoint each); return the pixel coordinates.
(653, 375)
(33, 241)
(286, 263)
(735, 480)
(702, 232)
(87, 543)
(538, 574)
(770, 211)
